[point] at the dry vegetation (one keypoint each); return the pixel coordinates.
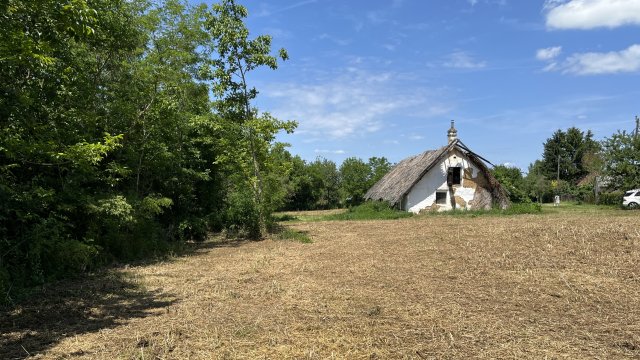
(563, 285)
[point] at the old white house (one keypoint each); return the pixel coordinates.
(452, 177)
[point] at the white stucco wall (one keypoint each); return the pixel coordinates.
(423, 194)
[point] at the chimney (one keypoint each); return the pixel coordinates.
(452, 134)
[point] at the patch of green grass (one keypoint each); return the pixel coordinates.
(290, 234)
(514, 209)
(574, 207)
(284, 217)
(372, 210)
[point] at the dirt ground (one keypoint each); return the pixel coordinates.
(531, 286)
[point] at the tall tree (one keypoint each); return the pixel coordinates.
(325, 181)
(536, 184)
(379, 166)
(563, 154)
(621, 154)
(249, 134)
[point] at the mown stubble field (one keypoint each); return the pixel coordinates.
(561, 285)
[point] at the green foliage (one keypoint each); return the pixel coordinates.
(512, 181)
(290, 234)
(241, 215)
(537, 186)
(611, 198)
(564, 154)
(514, 209)
(370, 210)
(622, 161)
(356, 177)
(523, 208)
(311, 186)
(252, 134)
(110, 149)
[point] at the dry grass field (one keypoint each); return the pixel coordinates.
(563, 285)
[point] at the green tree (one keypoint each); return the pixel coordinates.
(379, 166)
(621, 155)
(248, 134)
(537, 186)
(325, 182)
(512, 180)
(563, 154)
(55, 150)
(354, 180)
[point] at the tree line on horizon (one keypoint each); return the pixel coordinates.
(576, 167)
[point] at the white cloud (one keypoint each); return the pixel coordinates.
(323, 151)
(549, 53)
(472, 2)
(592, 63)
(355, 103)
(266, 12)
(589, 14)
(462, 60)
(338, 41)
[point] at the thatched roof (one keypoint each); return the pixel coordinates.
(399, 181)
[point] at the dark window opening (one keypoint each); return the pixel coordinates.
(441, 197)
(454, 175)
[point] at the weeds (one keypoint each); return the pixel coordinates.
(289, 234)
(514, 209)
(372, 210)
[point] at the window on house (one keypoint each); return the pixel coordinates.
(441, 197)
(454, 175)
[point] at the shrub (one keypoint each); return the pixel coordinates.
(611, 198)
(242, 215)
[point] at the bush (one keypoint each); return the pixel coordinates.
(611, 198)
(242, 215)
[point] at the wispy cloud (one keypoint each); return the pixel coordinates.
(594, 63)
(335, 40)
(266, 12)
(549, 53)
(463, 60)
(351, 105)
(589, 14)
(544, 118)
(324, 151)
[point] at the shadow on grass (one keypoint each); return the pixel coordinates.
(72, 307)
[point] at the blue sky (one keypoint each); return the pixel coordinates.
(384, 78)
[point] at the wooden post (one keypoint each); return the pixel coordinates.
(597, 189)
